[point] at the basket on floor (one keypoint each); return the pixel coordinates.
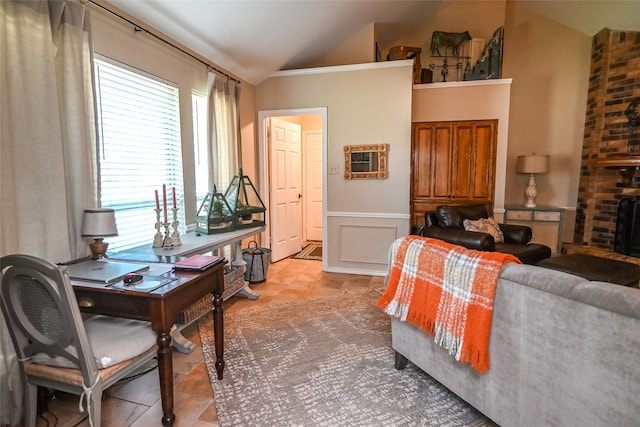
(257, 260)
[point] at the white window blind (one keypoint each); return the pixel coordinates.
(139, 149)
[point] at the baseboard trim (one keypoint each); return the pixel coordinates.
(355, 271)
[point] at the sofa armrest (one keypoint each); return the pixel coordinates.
(468, 239)
(520, 234)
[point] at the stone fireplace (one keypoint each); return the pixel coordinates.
(610, 156)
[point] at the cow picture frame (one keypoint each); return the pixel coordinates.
(368, 161)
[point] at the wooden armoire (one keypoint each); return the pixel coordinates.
(452, 163)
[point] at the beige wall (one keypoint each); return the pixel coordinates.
(476, 100)
(115, 39)
(365, 105)
(360, 48)
(549, 64)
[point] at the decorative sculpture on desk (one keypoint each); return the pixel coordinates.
(175, 236)
(489, 66)
(166, 240)
(246, 205)
(158, 238)
(215, 214)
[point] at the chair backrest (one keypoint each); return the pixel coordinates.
(450, 216)
(42, 312)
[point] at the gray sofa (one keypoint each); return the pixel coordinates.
(564, 352)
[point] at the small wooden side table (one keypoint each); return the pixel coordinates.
(545, 221)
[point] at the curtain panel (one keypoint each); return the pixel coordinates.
(47, 118)
(224, 130)
(47, 152)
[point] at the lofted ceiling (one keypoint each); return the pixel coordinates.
(253, 38)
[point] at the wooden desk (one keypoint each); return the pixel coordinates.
(160, 308)
(192, 244)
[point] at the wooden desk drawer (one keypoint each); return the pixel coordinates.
(519, 215)
(546, 216)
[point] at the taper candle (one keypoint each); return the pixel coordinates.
(157, 201)
(164, 202)
(173, 190)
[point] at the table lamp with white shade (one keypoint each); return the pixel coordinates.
(98, 224)
(532, 164)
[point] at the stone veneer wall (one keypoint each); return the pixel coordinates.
(614, 83)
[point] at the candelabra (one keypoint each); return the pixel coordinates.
(175, 236)
(158, 238)
(165, 239)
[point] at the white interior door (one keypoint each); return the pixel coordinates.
(312, 172)
(286, 189)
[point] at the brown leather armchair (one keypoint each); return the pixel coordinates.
(446, 223)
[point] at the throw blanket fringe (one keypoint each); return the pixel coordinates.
(447, 291)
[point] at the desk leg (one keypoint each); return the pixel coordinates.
(165, 370)
(218, 328)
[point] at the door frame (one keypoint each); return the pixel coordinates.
(264, 168)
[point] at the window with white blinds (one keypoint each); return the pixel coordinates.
(139, 150)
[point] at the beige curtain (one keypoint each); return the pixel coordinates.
(47, 153)
(224, 130)
(47, 156)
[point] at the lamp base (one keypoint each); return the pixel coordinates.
(99, 249)
(530, 192)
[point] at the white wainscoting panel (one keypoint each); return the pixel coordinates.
(359, 242)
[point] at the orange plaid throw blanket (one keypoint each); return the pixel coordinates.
(447, 291)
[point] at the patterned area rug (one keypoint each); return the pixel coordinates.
(324, 362)
(311, 251)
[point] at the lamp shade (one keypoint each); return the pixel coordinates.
(98, 223)
(533, 163)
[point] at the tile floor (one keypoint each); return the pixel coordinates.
(136, 403)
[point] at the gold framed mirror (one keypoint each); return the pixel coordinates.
(366, 161)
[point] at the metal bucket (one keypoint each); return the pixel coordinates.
(257, 260)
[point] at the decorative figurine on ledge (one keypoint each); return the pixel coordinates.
(441, 39)
(489, 66)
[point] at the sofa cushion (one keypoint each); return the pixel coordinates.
(485, 225)
(531, 253)
(453, 216)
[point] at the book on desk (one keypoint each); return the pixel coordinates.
(198, 262)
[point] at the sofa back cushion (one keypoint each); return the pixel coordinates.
(454, 216)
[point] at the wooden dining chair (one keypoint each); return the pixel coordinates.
(55, 347)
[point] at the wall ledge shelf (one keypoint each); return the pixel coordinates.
(441, 85)
(628, 166)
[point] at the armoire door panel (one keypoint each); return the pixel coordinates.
(462, 162)
(485, 143)
(452, 163)
(421, 166)
(441, 169)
